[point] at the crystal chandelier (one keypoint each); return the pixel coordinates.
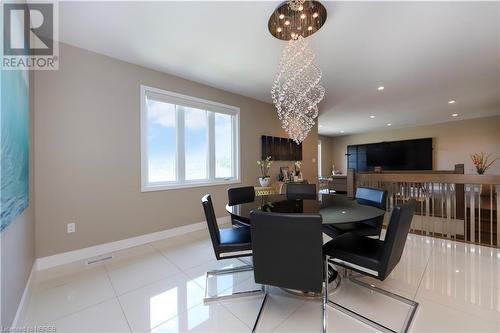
(296, 91)
(296, 5)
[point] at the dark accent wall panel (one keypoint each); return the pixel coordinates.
(267, 144)
(284, 149)
(290, 148)
(263, 147)
(275, 153)
(280, 149)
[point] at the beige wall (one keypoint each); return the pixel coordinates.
(326, 155)
(452, 142)
(87, 159)
(17, 247)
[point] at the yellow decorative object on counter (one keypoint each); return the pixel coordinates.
(264, 190)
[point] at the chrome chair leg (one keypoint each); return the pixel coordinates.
(325, 293)
(411, 303)
(370, 322)
(266, 292)
(325, 300)
(245, 260)
(254, 292)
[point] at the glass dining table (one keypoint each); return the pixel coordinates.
(333, 208)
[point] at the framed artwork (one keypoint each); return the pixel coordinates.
(284, 173)
(14, 126)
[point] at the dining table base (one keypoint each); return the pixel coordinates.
(333, 283)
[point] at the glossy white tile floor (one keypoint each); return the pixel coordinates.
(159, 288)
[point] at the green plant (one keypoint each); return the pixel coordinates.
(266, 207)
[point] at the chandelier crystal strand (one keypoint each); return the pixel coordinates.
(296, 5)
(296, 91)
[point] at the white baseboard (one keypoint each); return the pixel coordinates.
(23, 304)
(101, 249)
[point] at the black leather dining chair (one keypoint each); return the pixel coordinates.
(227, 243)
(279, 261)
(239, 195)
(371, 196)
(365, 196)
(299, 188)
(374, 257)
(301, 191)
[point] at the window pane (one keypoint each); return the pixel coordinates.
(161, 141)
(196, 142)
(223, 146)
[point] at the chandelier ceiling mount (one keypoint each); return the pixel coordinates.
(296, 18)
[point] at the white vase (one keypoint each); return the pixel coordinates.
(264, 182)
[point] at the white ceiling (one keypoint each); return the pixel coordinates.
(424, 53)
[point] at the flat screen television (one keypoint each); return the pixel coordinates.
(393, 155)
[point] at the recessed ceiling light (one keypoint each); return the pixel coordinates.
(315, 15)
(451, 102)
(342, 131)
(454, 115)
(287, 22)
(279, 29)
(372, 117)
(309, 28)
(389, 124)
(380, 88)
(301, 8)
(302, 16)
(282, 16)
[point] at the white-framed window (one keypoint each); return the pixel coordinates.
(187, 141)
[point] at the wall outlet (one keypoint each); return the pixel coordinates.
(71, 228)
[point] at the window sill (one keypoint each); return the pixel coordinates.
(160, 187)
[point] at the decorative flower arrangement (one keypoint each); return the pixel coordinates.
(264, 166)
(298, 165)
(480, 161)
